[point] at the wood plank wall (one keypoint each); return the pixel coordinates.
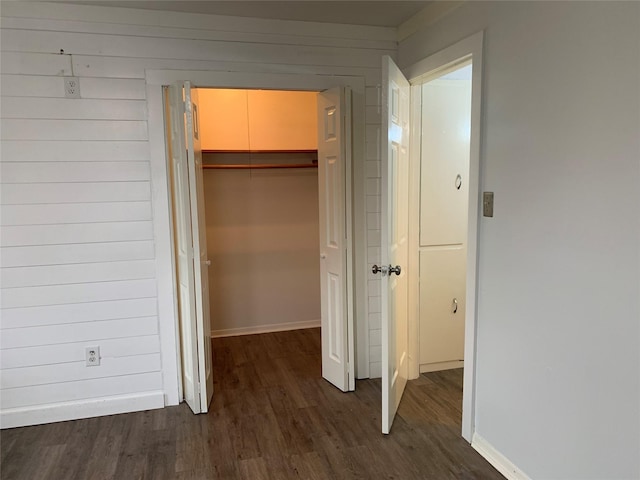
(77, 242)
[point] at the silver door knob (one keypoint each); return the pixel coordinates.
(376, 269)
(395, 269)
(207, 263)
(454, 306)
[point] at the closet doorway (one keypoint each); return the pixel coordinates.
(255, 250)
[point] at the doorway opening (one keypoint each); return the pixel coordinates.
(444, 216)
(442, 210)
(431, 142)
(265, 225)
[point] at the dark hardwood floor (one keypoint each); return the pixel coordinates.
(272, 417)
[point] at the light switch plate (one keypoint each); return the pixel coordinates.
(487, 204)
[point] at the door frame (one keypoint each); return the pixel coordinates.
(161, 202)
(419, 73)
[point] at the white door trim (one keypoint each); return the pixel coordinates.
(162, 223)
(468, 48)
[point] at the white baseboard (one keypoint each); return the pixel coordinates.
(495, 458)
(39, 414)
(436, 367)
(273, 327)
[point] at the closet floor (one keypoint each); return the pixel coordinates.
(272, 417)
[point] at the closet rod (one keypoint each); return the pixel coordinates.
(276, 152)
(262, 165)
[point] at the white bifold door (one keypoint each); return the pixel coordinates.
(190, 246)
(394, 231)
(334, 179)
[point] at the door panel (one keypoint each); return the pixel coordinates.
(333, 173)
(184, 247)
(199, 229)
(335, 336)
(395, 202)
(446, 135)
(442, 304)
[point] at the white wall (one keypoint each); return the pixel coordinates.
(558, 367)
(263, 243)
(78, 260)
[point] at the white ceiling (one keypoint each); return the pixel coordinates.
(375, 13)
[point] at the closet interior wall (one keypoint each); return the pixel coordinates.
(262, 224)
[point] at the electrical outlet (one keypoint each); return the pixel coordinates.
(71, 87)
(92, 356)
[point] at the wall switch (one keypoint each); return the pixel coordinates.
(487, 204)
(71, 87)
(92, 356)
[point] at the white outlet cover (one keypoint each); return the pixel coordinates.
(92, 356)
(71, 87)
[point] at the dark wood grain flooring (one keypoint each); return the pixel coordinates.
(273, 417)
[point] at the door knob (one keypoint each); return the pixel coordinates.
(376, 269)
(395, 269)
(207, 263)
(384, 269)
(454, 306)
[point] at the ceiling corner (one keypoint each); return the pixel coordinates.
(429, 15)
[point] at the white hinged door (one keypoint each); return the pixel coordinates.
(394, 231)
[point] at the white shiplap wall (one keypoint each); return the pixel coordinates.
(78, 263)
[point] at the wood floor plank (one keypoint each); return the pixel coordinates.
(309, 466)
(103, 459)
(272, 417)
(253, 468)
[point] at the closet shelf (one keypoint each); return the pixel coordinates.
(259, 159)
(263, 165)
